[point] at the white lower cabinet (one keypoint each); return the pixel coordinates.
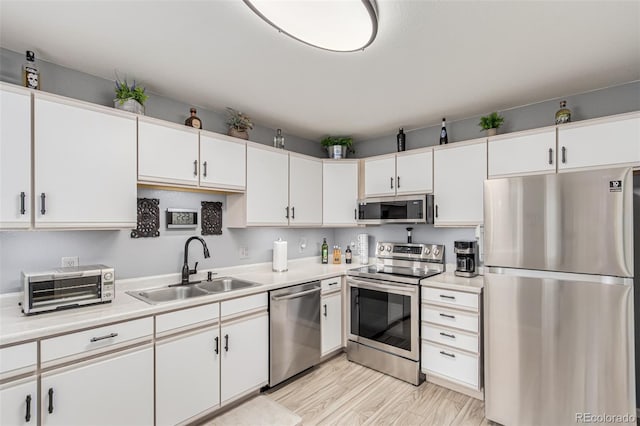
(187, 376)
(244, 345)
(113, 390)
(331, 322)
(19, 402)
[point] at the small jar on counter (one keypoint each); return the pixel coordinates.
(337, 254)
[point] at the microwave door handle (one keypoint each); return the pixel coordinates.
(68, 275)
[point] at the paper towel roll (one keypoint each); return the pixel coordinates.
(279, 255)
(363, 248)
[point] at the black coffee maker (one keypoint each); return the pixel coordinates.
(466, 258)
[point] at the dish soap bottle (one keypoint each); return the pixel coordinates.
(347, 255)
(325, 251)
(30, 74)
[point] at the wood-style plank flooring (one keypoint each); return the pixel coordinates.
(339, 392)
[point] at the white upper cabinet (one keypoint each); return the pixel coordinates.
(267, 197)
(380, 176)
(459, 174)
(525, 153)
(600, 143)
(414, 172)
(15, 158)
(305, 191)
(339, 192)
(167, 153)
(222, 162)
(84, 165)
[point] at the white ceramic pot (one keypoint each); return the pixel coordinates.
(337, 151)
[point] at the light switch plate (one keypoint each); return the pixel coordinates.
(70, 261)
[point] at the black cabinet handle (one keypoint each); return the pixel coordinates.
(293, 212)
(43, 208)
(108, 336)
(325, 309)
(564, 155)
(444, 296)
(195, 168)
(451, 336)
(355, 214)
(226, 343)
(436, 210)
(391, 182)
(50, 400)
(447, 354)
(22, 210)
(287, 215)
(27, 417)
(550, 155)
(448, 316)
(217, 348)
(398, 185)
(205, 169)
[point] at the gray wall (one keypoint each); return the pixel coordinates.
(597, 103)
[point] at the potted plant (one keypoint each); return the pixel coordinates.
(338, 146)
(490, 123)
(238, 124)
(130, 97)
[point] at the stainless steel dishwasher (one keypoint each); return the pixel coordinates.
(294, 330)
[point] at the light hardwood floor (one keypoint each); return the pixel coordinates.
(344, 393)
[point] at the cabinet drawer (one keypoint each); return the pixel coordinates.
(450, 363)
(450, 318)
(331, 284)
(249, 303)
(186, 317)
(451, 298)
(18, 357)
(456, 339)
(95, 338)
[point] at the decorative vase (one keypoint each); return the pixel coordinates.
(563, 115)
(492, 132)
(130, 105)
(337, 151)
(242, 134)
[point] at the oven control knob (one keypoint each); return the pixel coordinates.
(381, 248)
(436, 251)
(108, 276)
(427, 251)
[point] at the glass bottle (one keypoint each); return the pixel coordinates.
(347, 255)
(444, 139)
(30, 74)
(325, 251)
(336, 254)
(401, 140)
(278, 139)
(193, 120)
(564, 114)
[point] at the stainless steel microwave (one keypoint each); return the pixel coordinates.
(401, 209)
(65, 288)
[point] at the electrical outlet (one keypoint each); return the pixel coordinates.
(70, 261)
(303, 245)
(243, 252)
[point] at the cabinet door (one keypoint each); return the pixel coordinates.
(222, 163)
(112, 391)
(331, 322)
(305, 191)
(414, 173)
(167, 154)
(523, 155)
(380, 176)
(339, 192)
(187, 376)
(84, 166)
(267, 187)
(459, 174)
(245, 356)
(19, 403)
(600, 144)
(15, 158)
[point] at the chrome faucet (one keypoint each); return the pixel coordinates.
(185, 267)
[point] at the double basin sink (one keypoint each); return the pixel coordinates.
(187, 291)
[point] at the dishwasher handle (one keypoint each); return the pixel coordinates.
(295, 295)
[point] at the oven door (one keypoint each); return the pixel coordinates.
(384, 315)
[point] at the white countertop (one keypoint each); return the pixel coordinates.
(452, 282)
(16, 327)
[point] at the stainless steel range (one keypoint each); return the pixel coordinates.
(384, 308)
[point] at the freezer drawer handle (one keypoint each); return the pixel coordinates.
(27, 417)
(108, 336)
(226, 343)
(50, 400)
(448, 316)
(444, 296)
(451, 336)
(447, 354)
(550, 155)
(217, 348)
(295, 295)
(22, 210)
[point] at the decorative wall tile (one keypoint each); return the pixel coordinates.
(211, 218)
(148, 218)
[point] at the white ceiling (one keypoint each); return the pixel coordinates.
(431, 58)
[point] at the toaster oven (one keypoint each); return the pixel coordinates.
(65, 288)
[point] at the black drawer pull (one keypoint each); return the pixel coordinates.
(226, 343)
(27, 417)
(108, 336)
(451, 336)
(334, 283)
(447, 354)
(50, 400)
(444, 296)
(217, 342)
(448, 316)
(22, 210)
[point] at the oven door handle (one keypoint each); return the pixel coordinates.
(379, 286)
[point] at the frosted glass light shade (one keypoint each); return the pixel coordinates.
(336, 25)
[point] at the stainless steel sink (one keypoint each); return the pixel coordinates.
(223, 284)
(168, 294)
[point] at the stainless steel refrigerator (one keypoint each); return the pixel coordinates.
(558, 298)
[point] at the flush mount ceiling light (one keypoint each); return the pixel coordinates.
(335, 25)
